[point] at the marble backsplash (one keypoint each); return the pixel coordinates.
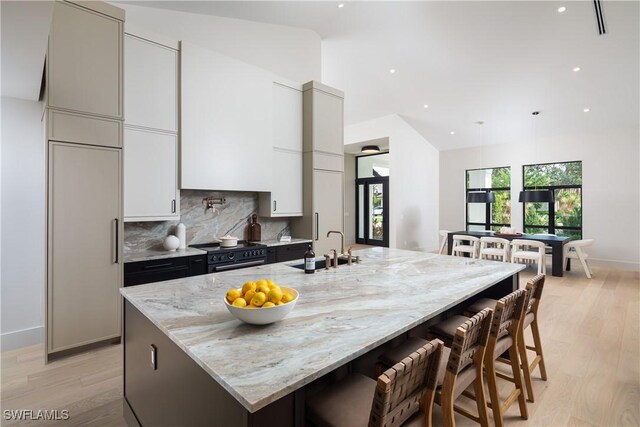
(205, 226)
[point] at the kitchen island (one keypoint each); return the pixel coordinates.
(188, 361)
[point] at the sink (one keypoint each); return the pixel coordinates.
(320, 264)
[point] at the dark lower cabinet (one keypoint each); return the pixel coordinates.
(286, 252)
(163, 386)
(158, 270)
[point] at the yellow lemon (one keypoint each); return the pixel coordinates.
(232, 294)
(239, 302)
(268, 304)
(287, 297)
(276, 287)
(263, 286)
(249, 295)
(279, 303)
(258, 299)
(248, 286)
(271, 283)
(275, 295)
(251, 306)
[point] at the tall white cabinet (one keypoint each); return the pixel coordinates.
(323, 159)
(285, 197)
(83, 129)
(151, 138)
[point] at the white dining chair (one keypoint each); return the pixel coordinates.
(494, 248)
(463, 244)
(575, 250)
(522, 250)
(444, 234)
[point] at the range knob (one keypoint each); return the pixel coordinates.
(230, 256)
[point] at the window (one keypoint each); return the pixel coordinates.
(489, 216)
(564, 216)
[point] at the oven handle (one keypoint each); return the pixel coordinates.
(238, 265)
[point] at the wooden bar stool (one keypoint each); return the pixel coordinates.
(402, 396)
(494, 247)
(464, 360)
(534, 293)
(463, 244)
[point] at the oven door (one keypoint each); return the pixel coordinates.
(213, 268)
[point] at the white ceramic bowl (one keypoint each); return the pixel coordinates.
(264, 316)
(228, 241)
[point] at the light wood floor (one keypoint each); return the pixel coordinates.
(590, 334)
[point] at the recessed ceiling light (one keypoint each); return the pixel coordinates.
(561, 9)
(586, 110)
(341, 5)
(425, 106)
(393, 70)
(452, 133)
(576, 69)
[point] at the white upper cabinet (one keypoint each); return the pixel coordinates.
(151, 84)
(84, 72)
(151, 188)
(285, 198)
(226, 122)
(150, 174)
(287, 117)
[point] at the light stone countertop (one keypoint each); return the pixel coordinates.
(274, 242)
(340, 314)
(151, 254)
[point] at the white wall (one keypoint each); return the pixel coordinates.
(293, 53)
(22, 224)
(413, 181)
(611, 186)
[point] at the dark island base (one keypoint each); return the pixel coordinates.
(163, 386)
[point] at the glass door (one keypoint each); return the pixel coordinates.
(372, 211)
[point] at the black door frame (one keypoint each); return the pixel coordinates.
(365, 182)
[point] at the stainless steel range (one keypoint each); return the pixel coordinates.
(245, 254)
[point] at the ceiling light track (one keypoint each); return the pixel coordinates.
(599, 17)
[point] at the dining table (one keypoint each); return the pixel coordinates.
(555, 242)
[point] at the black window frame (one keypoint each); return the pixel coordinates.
(552, 227)
(365, 182)
(487, 224)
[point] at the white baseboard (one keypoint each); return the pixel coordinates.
(609, 263)
(22, 338)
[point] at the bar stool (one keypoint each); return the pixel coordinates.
(463, 244)
(445, 235)
(491, 247)
(505, 328)
(518, 252)
(403, 394)
(464, 361)
(534, 289)
(575, 250)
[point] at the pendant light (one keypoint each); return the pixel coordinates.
(535, 195)
(486, 196)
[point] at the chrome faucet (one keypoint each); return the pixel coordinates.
(341, 239)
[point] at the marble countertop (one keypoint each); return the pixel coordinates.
(151, 254)
(274, 242)
(341, 314)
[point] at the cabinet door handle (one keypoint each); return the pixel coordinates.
(317, 225)
(116, 240)
(149, 267)
(275, 205)
(197, 260)
(173, 206)
(154, 357)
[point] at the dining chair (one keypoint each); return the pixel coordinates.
(444, 234)
(494, 247)
(463, 244)
(521, 251)
(402, 396)
(461, 366)
(575, 250)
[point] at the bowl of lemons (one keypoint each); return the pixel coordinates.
(261, 302)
